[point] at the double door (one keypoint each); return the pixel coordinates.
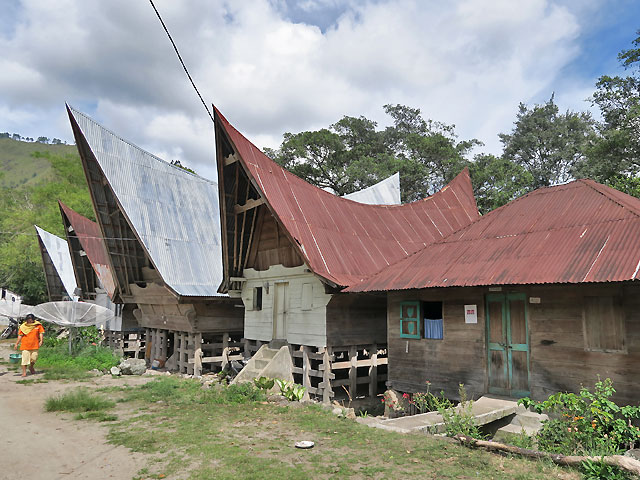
(508, 344)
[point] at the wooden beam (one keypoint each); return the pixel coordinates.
(230, 159)
(248, 206)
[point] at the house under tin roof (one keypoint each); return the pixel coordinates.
(88, 253)
(573, 233)
(338, 239)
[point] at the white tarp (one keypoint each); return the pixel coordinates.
(73, 314)
(58, 251)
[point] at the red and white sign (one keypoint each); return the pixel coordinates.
(470, 314)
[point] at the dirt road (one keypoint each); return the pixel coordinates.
(46, 446)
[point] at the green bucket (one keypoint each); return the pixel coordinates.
(15, 357)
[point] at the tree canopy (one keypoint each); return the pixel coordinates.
(545, 147)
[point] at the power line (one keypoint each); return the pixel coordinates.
(181, 61)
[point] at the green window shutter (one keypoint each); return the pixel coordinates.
(410, 320)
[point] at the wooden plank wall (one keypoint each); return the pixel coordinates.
(271, 245)
(460, 357)
(558, 359)
(225, 315)
(355, 319)
(304, 327)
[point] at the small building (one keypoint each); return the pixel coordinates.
(538, 296)
(289, 248)
(92, 272)
(161, 232)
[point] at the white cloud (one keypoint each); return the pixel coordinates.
(466, 62)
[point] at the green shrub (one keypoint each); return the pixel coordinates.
(264, 383)
(88, 358)
(427, 401)
(460, 420)
(291, 391)
(79, 400)
(241, 393)
(598, 470)
(586, 423)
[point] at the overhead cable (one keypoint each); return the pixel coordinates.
(181, 61)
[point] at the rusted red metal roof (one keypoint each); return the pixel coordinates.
(90, 237)
(344, 241)
(573, 233)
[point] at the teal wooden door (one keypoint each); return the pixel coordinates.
(508, 344)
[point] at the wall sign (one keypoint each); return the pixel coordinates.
(470, 314)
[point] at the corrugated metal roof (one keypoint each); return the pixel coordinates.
(90, 237)
(341, 240)
(385, 192)
(58, 251)
(573, 233)
(173, 212)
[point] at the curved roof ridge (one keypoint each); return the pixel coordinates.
(342, 240)
(551, 235)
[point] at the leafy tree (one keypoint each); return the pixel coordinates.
(615, 157)
(43, 140)
(352, 154)
(548, 144)
(497, 180)
(178, 164)
(20, 261)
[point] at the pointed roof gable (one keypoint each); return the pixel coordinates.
(341, 240)
(573, 233)
(172, 213)
(57, 264)
(90, 238)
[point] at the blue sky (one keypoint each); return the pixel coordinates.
(275, 66)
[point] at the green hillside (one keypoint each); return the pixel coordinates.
(34, 176)
(19, 166)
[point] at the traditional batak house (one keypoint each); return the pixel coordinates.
(538, 296)
(95, 281)
(160, 226)
(58, 268)
(289, 248)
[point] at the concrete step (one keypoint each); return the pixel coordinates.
(529, 420)
(510, 432)
(485, 410)
(268, 353)
(260, 363)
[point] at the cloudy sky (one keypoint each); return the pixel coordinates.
(275, 66)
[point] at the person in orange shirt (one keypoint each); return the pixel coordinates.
(30, 336)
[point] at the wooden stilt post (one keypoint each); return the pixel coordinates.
(306, 366)
(197, 355)
(353, 371)
(373, 371)
(191, 347)
(326, 376)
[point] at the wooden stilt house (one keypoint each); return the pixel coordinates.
(538, 296)
(289, 248)
(96, 283)
(160, 226)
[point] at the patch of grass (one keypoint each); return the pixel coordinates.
(98, 416)
(229, 433)
(77, 401)
(66, 372)
(31, 381)
(89, 358)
